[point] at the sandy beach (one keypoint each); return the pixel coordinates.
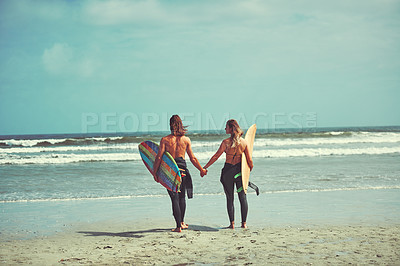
(155, 244)
(335, 227)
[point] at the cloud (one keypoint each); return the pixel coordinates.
(155, 12)
(122, 12)
(57, 59)
(61, 59)
(26, 10)
(267, 37)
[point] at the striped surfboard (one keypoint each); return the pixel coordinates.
(168, 172)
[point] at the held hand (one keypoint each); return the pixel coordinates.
(203, 172)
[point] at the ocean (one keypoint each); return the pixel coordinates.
(67, 167)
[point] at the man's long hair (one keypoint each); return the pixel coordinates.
(237, 132)
(176, 126)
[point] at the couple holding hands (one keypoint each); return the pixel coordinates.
(177, 144)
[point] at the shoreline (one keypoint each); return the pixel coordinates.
(25, 220)
(201, 195)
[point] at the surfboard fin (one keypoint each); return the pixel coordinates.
(253, 186)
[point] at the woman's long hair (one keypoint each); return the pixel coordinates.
(236, 133)
(176, 126)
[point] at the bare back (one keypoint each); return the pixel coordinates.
(234, 155)
(176, 145)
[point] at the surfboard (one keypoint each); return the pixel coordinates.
(249, 137)
(168, 173)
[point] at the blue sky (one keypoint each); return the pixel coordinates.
(89, 66)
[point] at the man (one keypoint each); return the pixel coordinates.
(177, 144)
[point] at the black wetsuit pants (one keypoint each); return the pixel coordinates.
(178, 206)
(231, 175)
(178, 198)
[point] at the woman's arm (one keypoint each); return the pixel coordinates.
(157, 162)
(248, 157)
(215, 157)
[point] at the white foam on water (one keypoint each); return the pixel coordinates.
(85, 198)
(331, 189)
(119, 147)
(316, 152)
(199, 194)
(360, 137)
(357, 143)
(63, 158)
(33, 142)
(69, 158)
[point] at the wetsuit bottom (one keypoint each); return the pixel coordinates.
(231, 175)
(178, 206)
(178, 198)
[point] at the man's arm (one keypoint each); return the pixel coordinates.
(193, 159)
(157, 162)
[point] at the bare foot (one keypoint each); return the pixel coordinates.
(232, 226)
(244, 225)
(184, 226)
(177, 230)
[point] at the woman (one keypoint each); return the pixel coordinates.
(234, 147)
(177, 144)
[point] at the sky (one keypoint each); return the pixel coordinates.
(127, 66)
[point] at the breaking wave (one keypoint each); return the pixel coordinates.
(125, 148)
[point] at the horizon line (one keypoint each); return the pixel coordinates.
(217, 131)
